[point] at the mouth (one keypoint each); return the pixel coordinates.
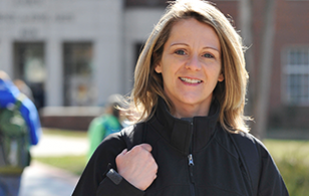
(190, 81)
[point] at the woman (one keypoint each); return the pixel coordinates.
(191, 138)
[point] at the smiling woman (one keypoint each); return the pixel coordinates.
(190, 137)
(190, 67)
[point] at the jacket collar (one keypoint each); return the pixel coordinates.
(181, 133)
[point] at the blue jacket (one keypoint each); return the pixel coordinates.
(8, 95)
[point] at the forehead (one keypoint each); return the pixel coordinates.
(191, 30)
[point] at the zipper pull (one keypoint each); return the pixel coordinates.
(190, 158)
(191, 164)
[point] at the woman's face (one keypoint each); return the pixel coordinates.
(191, 67)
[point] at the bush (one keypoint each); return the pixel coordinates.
(295, 172)
(292, 159)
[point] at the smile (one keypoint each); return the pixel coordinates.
(191, 81)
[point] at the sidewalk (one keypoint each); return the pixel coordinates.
(43, 180)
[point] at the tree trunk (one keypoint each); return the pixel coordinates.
(259, 83)
(245, 8)
(265, 70)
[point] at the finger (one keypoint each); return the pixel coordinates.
(124, 151)
(146, 147)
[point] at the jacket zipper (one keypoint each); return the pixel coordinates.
(191, 165)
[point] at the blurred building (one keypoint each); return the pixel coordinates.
(73, 53)
(77, 53)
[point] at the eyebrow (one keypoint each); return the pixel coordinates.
(207, 47)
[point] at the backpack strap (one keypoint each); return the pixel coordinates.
(134, 135)
(17, 104)
(19, 99)
(250, 155)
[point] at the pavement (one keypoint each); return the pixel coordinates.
(43, 180)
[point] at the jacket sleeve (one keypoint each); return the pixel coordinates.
(95, 179)
(271, 182)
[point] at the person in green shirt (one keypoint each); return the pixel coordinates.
(106, 124)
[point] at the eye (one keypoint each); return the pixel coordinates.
(180, 52)
(208, 55)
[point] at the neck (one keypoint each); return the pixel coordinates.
(189, 112)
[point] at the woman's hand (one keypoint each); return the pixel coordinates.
(137, 166)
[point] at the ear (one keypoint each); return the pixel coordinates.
(221, 77)
(158, 68)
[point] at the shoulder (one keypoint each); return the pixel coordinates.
(97, 120)
(239, 137)
(124, 137)
(27, 105)
(244, 137)
(244, 142)
(251, 146)
(132, 130)
(249, 139)
(133, 134)
(111, 146)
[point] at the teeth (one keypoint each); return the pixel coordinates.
(192, 81)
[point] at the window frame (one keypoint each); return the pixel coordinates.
(297, 67)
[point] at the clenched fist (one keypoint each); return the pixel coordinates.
(137, 166)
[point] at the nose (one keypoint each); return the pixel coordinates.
(193, 63)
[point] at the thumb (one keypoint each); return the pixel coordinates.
(146, 147)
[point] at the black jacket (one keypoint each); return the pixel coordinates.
(196, 158)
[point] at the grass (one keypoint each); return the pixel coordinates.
(291, 157)
(73, 164)
(65, 133)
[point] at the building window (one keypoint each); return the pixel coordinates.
(29, 66)
(78, 74)
(297, 76)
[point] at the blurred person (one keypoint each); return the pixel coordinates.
(128, 117)
(24, 88)
(191, 137)
(109, 122)
(12, 164)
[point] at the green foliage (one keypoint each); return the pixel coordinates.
(295, 172)
(292, 159)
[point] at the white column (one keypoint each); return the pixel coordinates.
(6, 56)
(108, 58)
(54, 67)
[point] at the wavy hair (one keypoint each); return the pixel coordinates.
(231, 92)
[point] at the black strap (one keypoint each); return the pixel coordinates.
(250, 156)
(133, 138)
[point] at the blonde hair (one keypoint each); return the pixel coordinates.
(231, 93)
